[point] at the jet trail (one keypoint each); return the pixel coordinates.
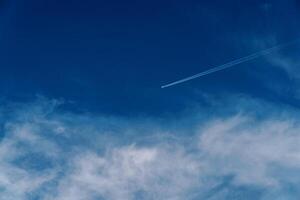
(231, 64)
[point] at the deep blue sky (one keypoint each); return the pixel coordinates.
(230, 135)
(113, 56)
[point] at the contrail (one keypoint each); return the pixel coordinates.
(231, 64)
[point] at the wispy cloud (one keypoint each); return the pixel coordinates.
(289, 64)
(51, 154)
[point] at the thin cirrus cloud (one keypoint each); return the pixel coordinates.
(288, 64)
(46, 153)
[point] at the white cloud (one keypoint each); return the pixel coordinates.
(18, 181)
(252, 151)
(126, 172)
(64, 156)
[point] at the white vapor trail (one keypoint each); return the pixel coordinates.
(231, 64)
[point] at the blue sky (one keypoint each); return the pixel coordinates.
(83, 115)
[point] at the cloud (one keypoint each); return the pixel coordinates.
(289, 64)
(48, 153)
(282, 66)
(252, 151)
(131, 173)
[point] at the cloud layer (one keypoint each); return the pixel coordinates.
(48, 153)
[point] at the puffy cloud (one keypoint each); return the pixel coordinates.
(47, 153)
(252, 151)
(131, 173)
